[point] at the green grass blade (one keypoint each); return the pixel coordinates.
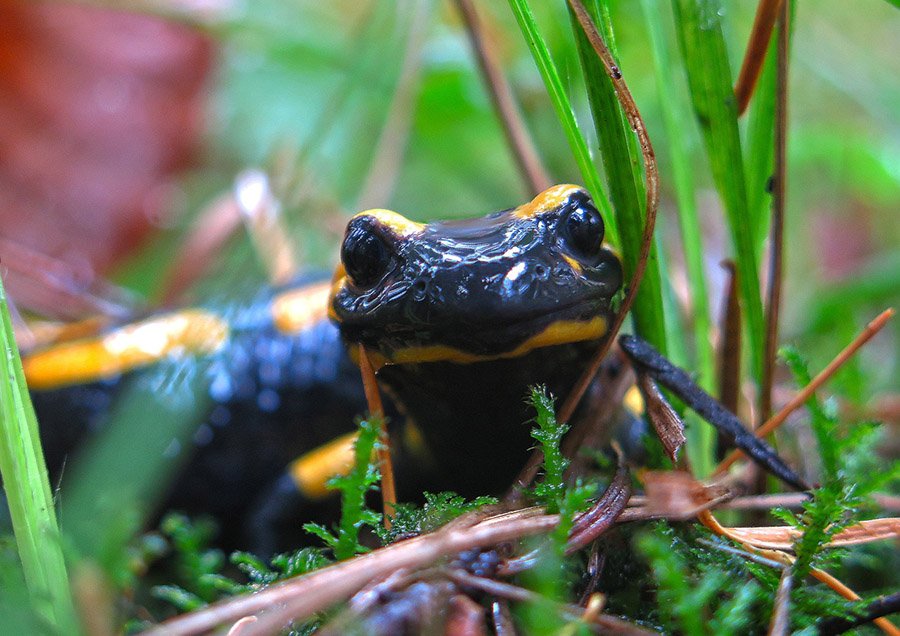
(760, 140)
(28, 491)
(565, 113)
(623, 165)
(675, 112)
(706, 58)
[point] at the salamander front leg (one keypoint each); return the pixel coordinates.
(275, 522)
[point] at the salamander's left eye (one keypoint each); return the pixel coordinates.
(581, 231)
(365, 256)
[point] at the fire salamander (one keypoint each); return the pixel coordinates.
(460, 317)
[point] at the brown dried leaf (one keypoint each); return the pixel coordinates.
(676, 494)
(100, 108)
(669, 427)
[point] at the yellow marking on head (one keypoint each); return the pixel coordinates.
(312, 471)
(549, 199)
(559, 332)
(396, 223)
(296, 309)
(125, 349)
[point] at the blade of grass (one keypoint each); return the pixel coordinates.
(28, 489)
(779, 194)
(675, 112)
(760, 141)
(565, 113)
(709, 76)
(622, 163)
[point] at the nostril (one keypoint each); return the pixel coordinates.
(540, 271)
(419, 289)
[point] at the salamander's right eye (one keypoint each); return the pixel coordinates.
(365, 255)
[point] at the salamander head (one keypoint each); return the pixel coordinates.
(494, 287)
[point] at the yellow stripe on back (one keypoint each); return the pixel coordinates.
(295, 310)
(125, 349)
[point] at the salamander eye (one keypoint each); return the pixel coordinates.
(581, 231)
(365, 256)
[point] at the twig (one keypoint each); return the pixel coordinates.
(871, 329)
(883, 606)
(766, 12)
(603, 514)
(520, 142)
(781, 616)
(299, 598)
(516, 593)
(385, 164)
(679, 382)
(652, 179)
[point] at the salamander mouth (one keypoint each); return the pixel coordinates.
(583, 309)
(579, 321)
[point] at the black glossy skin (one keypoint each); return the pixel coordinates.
(271, 397)
(275, 396)
(481, 287)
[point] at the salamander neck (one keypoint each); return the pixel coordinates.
(475, 418)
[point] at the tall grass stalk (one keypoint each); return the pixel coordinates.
(28, 491)
(705, 57)
(676, 113)
(622, 163)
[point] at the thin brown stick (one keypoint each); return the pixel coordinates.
(779, 198)
(386, 160)
(521, 145)
(888, 503)
(778, 419)
(528, 473)
(766, 12)
(708, 520)
(520, 594)
(373, 399)
(730, 342)
(652, 178)
(781, 616)
(824, 577)
(301, 597)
